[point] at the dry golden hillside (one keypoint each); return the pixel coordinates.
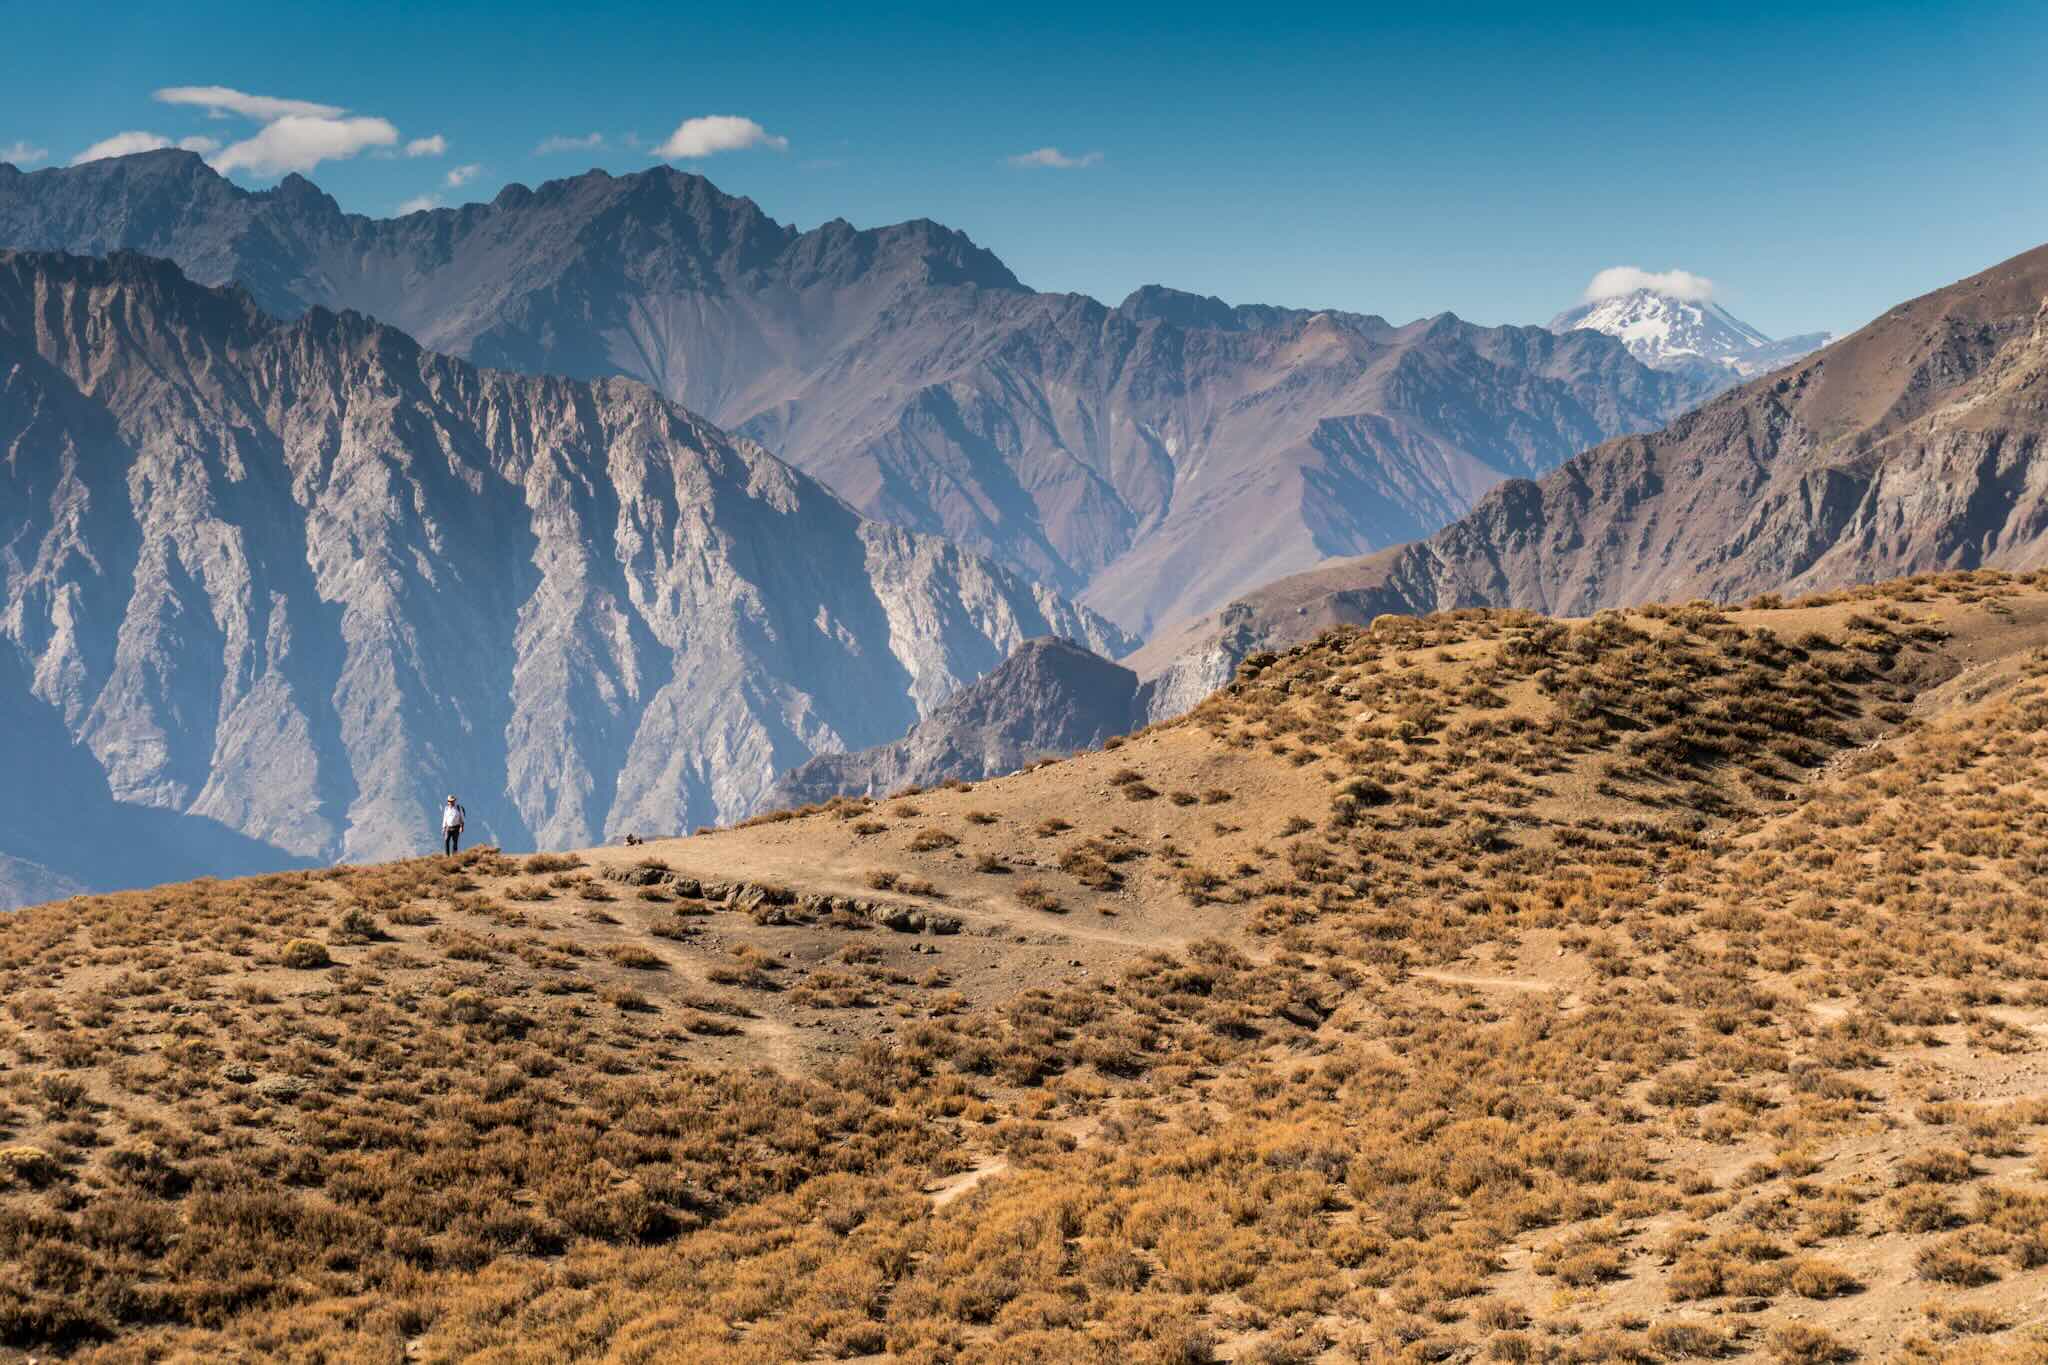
(1668, 985)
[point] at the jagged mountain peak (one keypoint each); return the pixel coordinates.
(1156, 301)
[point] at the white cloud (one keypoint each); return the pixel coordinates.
(695, 137)
(300, 142)
(135, 140)
(549, 146)
(19, 153)
(1054, 159)
(219, 101)
(462, 175)
(296, 135)
(419, 204)
(1617, 280)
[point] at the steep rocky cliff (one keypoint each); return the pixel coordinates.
(1049, 699)
(1156, 458)
(300, 580)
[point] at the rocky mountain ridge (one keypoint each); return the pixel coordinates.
(1155, 458)
(297, 581)
(1911, 446)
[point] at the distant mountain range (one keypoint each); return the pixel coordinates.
(270, 590)
(1912, 445)
(1689, 336)
(1154, 459)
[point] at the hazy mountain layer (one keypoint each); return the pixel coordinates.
(302, 579)
(1159, 456)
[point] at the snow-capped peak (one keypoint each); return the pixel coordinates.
(1667, 332)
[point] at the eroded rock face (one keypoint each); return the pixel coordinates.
(300, 580)
(1155, 458)
(1049, 699)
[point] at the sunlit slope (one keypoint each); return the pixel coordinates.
(1662, 985)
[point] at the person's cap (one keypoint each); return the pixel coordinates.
(451, 796)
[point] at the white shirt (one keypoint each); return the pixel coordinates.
(451, 816)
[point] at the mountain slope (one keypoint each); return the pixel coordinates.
(1049, 699)
(1667, 986)
(1912, 445)
(1159, 456)
(1667, 332)
(302, 579)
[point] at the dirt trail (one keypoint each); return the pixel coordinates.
(955, 1186)
(1500, 983)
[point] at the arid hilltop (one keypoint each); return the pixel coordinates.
(1662, 985)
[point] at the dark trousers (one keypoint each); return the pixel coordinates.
(451, 839)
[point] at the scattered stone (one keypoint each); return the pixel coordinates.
(282, 1088)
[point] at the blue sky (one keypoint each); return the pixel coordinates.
(1818, 165)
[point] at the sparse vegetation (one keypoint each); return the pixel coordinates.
(1637, 988)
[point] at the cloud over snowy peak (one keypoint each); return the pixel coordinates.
(21, 153)
(296, 135)
(1618, 280)
(713, 133)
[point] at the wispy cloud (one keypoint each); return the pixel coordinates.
(1617, 280)
(427, 146)
(462, 175)
(715, 133)
(135, 140)
(419, 204)
(19, 153)
(1052, 158)
(219, 101)
(552, 146)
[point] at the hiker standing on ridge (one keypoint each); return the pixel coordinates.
(452, 817)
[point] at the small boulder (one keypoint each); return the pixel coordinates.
(901, 918)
